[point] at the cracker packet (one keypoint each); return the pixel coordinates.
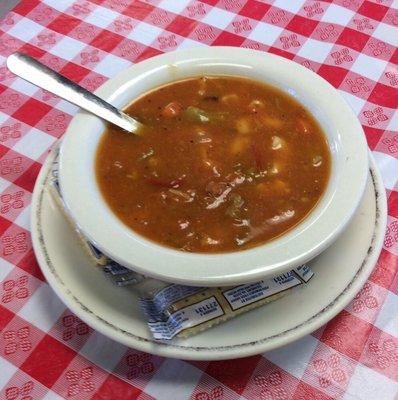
(178, 310)
(174, 310)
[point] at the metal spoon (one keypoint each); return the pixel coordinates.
(37, 73)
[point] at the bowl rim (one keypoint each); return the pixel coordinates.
(309, 238)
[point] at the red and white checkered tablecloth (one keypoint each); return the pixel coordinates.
(45, 351)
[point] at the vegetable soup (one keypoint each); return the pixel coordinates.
(226, 164)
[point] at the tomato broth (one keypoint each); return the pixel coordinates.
(226, 164)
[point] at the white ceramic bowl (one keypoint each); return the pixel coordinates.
(324, 224)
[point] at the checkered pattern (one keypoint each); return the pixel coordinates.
(48, 353)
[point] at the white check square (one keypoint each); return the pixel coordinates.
(189, 44)
(110, 65)
(356, 103)
(388, 166)
(174, 6)
(7, 371)
(60, 5)
(315, 50)
(163, 384)
(393, 124)
(291, 5)
(25, 30)
(294, 358)
(337, 15)
(101, 17)
(218, 18)
(34, 144)
(386, 33)
(369, 66)
(23, 219)
(368, 384)
(5, 269)
(24, 87)
(144, 33)
(103, 351)
(67, 107)
(50, 395)
(265, 33)
(387, 319)
(43, 308)
(67, 48)
(3, 117)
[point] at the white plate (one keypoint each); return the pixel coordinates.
(340, 272)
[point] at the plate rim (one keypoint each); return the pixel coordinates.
(173, 350)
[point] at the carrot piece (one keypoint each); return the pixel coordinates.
(172, 110)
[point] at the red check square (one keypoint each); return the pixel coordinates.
(106, 41)
(74, 72)
(353, 39)
(334, 75)
(385, 271)
(228, 39)
(233, 375)
(254, 10)
(373, 136)
(5, 317)
(393, 203)
(347, 334)
(394, 57)
(304, 391)
(138, 10)
(373, 10)
(28, 179)
(182, 25)
(282, 53)
(29, 264)
(24, 7)
(148, 53)
(64, 24)
(384, 95)
(301, 25)
(116, 389)
(32, 50)
(48, 361)
(4, 224)
(32, 111)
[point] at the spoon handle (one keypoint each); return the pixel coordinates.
(37, 73)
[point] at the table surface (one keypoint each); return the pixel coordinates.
(48, 353)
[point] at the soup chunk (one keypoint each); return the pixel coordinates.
(226, 164)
